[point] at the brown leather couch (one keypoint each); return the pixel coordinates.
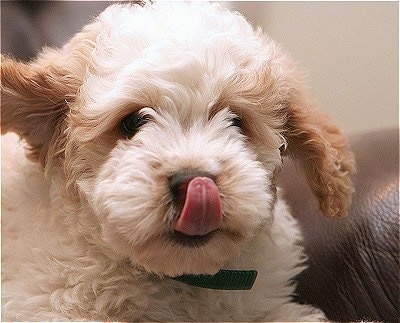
(354, 269)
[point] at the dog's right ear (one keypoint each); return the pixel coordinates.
(35, 95)
(34, 101)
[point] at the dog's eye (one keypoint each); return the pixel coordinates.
(236, 122)
(132, 122)
(282, 148)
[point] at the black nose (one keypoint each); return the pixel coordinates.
(179, 181)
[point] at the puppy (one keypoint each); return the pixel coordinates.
(153, 141)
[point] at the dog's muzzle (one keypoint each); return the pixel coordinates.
(198, 203)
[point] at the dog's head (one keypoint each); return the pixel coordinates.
(169, 122)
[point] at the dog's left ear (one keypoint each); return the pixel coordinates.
(33, 102)
(321, 150)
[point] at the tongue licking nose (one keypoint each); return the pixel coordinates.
(201, 212)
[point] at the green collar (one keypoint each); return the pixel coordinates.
(225, 279)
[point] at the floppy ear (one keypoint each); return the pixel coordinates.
(321, 150)
(34, 95)
(33, 102)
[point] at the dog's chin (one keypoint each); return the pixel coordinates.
(185, 240)
(174, 254)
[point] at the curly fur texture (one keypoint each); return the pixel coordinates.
(88, 218)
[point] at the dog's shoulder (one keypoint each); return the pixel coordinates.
(24, 195)
(23, 181)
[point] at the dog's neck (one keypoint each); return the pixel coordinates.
(230, 279)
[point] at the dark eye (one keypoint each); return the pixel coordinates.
(236, 122)
(131, 123)
(282, 148)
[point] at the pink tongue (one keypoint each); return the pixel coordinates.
(201, 212)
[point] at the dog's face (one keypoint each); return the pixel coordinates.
(181, 196)
(168, 122)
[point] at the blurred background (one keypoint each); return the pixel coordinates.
(349, 50)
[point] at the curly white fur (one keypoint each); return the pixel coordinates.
(91, 237)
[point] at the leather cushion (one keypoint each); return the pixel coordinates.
(354, 265)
